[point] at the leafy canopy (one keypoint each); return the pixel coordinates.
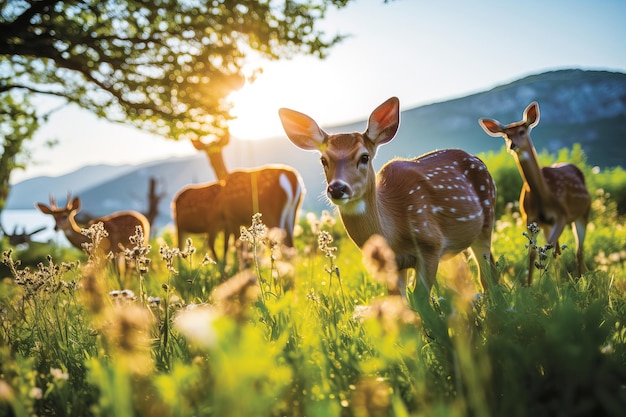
(166, 66)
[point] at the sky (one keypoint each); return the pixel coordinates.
(421, 51)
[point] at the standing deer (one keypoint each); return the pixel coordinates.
(426, 208)
(551, 196)
(120, 226)
(275, 191)
(195, 211)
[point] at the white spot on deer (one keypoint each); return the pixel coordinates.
(410, 207)
(487, 202)
(285, 184)
(436, 209)
(482, 188)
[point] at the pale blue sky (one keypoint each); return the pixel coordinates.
(421, 51)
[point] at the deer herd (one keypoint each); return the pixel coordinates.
(426, 208)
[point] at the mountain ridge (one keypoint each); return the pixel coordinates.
(577, 106)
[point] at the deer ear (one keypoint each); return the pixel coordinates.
(492, 127)
(43, 208)
(301, 130)
(76, 204)
(531, 114)
(384, 122)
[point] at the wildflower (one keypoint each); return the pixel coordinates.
(168, 256)
(92, 290)
(390, 312)
(235, 295)
(207, 260)
(324, 241)
(196, 324)
(139, 251)
(313, 223)
(96, 233)
(154, 302)
(532, 238)
(128, 334)
(6, 392)
(36, 393)
(255, 232)
(380, 261)
(58, 374)
(122, 297)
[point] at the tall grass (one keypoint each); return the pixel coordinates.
(311, 331)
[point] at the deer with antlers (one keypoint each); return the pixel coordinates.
(120, 226)
(275, 191)
(427, 208)
(551, 196)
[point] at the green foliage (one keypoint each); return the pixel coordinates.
(166, 67)
(311, 332)
(509, 181)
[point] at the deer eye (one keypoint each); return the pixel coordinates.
(365, 158)
(324, 162)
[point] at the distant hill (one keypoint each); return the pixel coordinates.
(586, 107)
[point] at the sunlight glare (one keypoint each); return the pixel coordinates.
(255, 107)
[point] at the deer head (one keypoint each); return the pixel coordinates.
(425, 208)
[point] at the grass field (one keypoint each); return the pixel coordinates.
(311, 332)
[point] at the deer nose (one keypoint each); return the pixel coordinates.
(337, 190)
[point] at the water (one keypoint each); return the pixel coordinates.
(30, 220)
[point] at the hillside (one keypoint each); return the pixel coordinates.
(586, 107)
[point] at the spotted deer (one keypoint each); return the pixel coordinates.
(120, 226)
(275, 191)
(427, 208)
(551, 196)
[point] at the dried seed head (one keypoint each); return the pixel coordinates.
(380, 261)
(234, 296)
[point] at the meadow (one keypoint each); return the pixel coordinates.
(310, 331)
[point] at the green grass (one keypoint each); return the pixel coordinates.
(311, 332)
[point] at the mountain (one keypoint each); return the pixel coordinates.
(24, 194)
(577, 106)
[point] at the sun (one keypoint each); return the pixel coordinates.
(296, 84)
(255, 107)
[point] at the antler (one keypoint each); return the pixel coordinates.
(53, 203)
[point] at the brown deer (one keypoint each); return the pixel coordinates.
(551, 196)
(195, 210)
(275, 191)
(120, 226)
(427, 208)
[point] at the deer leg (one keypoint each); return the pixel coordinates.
(401, 284)
(553, 237)
(426, 269)
(579, 227)
(180, 237)
(481, 251)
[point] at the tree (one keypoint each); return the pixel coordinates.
(18, 122)
(164, 66)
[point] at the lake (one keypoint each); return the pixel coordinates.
(30, 220)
